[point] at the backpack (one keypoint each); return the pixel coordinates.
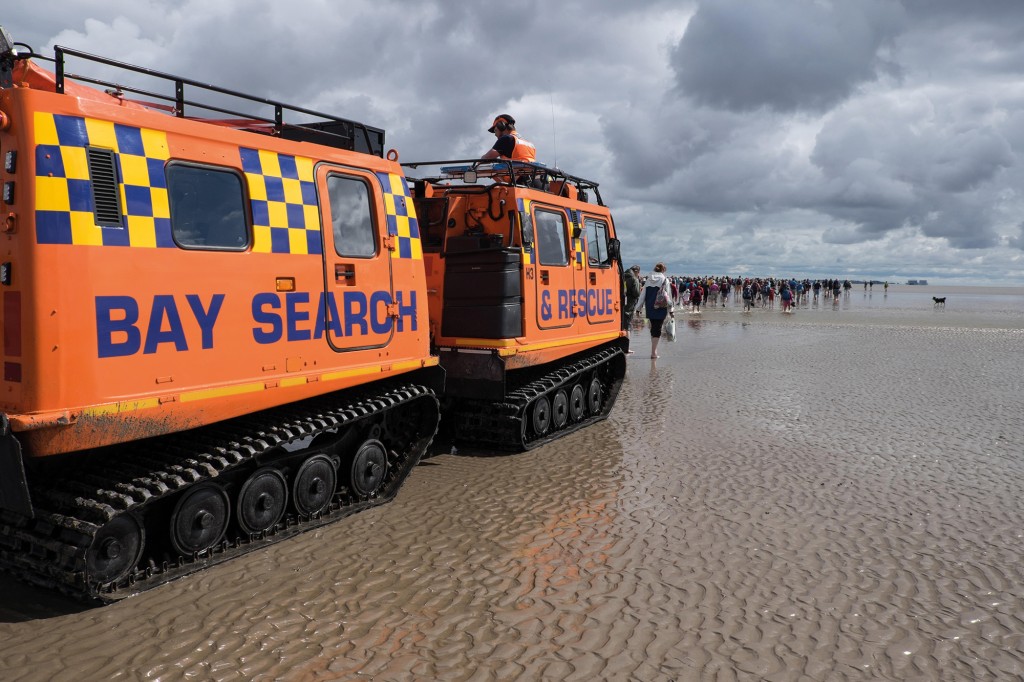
(632, 285)
(746, 292)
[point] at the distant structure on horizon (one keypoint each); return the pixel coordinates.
(922, 282)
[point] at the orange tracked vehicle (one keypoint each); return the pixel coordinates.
(524, 287)
(219, 332)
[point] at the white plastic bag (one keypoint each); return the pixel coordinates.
(668, 330)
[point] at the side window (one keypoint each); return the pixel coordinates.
(597, 241)
(350, 216)
(207, 207)
(551, 245)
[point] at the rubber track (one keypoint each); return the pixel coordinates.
(501, 426)
(50, 549)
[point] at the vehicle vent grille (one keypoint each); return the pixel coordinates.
(106, 199)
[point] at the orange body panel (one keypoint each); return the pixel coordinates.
(116, 333)
(570, 288)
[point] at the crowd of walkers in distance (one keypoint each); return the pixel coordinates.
(758, 292)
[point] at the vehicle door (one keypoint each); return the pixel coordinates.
(603, 286)
(358, 288)
(554, 271)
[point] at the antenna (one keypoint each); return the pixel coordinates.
(554, 136)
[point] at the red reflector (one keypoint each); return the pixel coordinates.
(12, 324)
(12, 371)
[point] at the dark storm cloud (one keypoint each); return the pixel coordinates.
(992, 12)
(761, 134)
(848, 111)
(802, 54)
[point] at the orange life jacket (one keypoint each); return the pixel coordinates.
(523, 151)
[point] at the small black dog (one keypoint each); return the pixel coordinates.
(939, 301)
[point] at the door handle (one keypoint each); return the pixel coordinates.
(345, 273)
(593, 278)
(544, 276)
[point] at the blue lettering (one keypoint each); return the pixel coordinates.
(327, 312)
(206, 318)
(289, 319)
(260, 315)
(406, 311)
(291, 300)
(107, 326)
(164, 308)
(545, 304)
(563, 304)
(379, 320)
(354, 304)
(574, 303)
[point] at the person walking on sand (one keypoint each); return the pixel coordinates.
(786, 294)
(631, 280)
(657, 283)
(696, 296)
(748, 298)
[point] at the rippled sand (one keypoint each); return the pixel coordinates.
(779, 498)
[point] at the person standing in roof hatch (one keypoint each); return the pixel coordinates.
(509, 144)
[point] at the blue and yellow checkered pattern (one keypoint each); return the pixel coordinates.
(577, 242)
(285, 211)
(64, 197)
(401, 216)
(285, 214)
(524, 205)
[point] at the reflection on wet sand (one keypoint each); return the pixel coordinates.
(768, 501)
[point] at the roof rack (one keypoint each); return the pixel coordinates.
(531, 175)
(327, 129)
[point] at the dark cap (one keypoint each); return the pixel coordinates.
(508, 119)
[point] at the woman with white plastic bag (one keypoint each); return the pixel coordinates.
(657, 299)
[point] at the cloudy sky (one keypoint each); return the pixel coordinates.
(820, 138)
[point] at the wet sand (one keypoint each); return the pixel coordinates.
(778, 497)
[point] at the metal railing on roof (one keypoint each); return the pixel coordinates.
(536, 175)
(327, 129)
